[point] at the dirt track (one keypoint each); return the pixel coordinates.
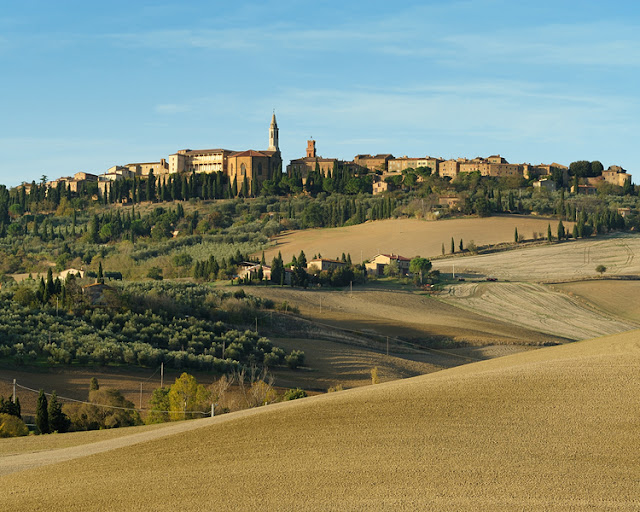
(21, 462)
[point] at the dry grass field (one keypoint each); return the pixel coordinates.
(550, 429)
(407, 237)
(576, 259)
(617, 298)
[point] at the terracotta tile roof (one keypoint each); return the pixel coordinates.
(396, 257)
(248, 152)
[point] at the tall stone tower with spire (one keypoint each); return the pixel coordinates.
(273, 134)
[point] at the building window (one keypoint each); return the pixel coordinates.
(243, 169)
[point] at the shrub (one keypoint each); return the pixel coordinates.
(294, 394)
(155, 273)
(24, 296)
(12, 426)
(295, 359)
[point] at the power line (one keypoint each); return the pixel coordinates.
(112, 406)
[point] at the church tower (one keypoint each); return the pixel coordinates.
(273, 134)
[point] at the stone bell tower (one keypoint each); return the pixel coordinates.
(311, 148)
(273, 134)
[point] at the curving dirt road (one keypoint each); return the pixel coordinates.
(14, 463)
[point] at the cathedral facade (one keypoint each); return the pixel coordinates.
(250, 168)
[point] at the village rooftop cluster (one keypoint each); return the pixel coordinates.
(256, 166)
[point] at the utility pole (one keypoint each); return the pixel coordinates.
(14, 391)
(212, 411)
(161, 375)
(141, 395)
(256, 325)
(453, 272)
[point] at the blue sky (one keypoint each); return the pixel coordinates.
(87, 85)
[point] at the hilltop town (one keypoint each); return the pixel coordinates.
(246, 171)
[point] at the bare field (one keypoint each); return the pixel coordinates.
(407, 237)
(550, 429)
(575, 259)
(405, 314)
(617, 298)
(536, 307)
(328, 364)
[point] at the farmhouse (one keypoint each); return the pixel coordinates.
(546, 184)
(321, 264)
(377, 265)
(248, 268)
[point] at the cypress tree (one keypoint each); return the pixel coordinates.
(515, 235)
(42, 413)
(549, 235)
(58, 421)
(453, 246)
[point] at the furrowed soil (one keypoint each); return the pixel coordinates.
(567, 261)
(550, 429)
(378, 310)
(407, 237)
(536, 307)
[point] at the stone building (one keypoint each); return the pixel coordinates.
(616, 175)
(308, 164)
(374, 163)
(199, 160)
(403, 163)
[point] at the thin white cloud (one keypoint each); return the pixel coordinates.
(172, 108)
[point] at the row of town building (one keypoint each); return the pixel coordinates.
(256, 166)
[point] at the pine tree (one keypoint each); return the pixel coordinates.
(42, 413)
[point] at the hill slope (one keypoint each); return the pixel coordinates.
(407, 237)
(552, 429)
